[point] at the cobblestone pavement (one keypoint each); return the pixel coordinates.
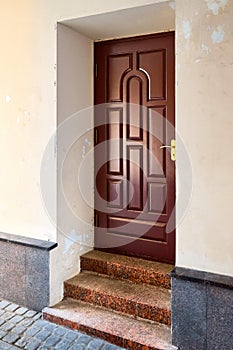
(21, 328)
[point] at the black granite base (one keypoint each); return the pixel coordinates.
(202, 310)
(24, 271)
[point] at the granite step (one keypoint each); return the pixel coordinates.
(128, 268)
(143, 301)
(124, 331)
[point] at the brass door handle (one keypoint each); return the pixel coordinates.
(173, 149)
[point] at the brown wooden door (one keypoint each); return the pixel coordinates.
(135, 178)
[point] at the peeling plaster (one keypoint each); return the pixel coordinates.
(69, 241)
(83, 151)
(215, 5)
(218, 35)
(205, 48)
(8, 99)
(88, 142)
(172, 4)
(186, 29)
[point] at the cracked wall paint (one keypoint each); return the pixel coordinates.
(216, 5)
(218, 35)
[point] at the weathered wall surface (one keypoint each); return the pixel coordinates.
(28, 105)
(204, 120)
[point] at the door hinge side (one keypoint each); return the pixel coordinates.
(96, 70)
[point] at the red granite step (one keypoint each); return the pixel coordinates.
(128, 268)
(145, 301)
(121, 330)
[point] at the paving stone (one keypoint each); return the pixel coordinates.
(37, 316)
(64, 344)
(26, 322)
(32, 331)
(30, 314)
(32, 345)
(60, 331)
(21, 311)
(22, 342)
(84, 339)
(2, 334)
(95, 344)
(12, 307)
(77, 347)
(1, 321)
(16, 319)
(43, 334)
(52, 340)
(19, 329)
(11, 338)
(4, 346)
(7, 315)
(72, 335)
(50, 326)
(4, 304)
(40, 323)
(14, 348)
(1, 312)
(110, 347)
(7, 326)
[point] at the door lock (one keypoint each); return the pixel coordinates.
(173, 149)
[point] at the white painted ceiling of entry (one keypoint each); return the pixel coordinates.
(139, 20)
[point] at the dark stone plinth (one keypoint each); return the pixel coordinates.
(202, 310)
(24, 271)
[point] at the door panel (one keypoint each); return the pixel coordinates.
(137, 178)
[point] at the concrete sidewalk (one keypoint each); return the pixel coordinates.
(21, 328)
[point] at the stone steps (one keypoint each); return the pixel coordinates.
(145, 301)
(120, 299)
(131, 269)
(118, 329)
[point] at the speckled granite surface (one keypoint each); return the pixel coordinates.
(146, 301)
(128, 268)
(24, 274)
(120, 330)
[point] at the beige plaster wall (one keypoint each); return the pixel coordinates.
(204, 120)
(28, 105)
